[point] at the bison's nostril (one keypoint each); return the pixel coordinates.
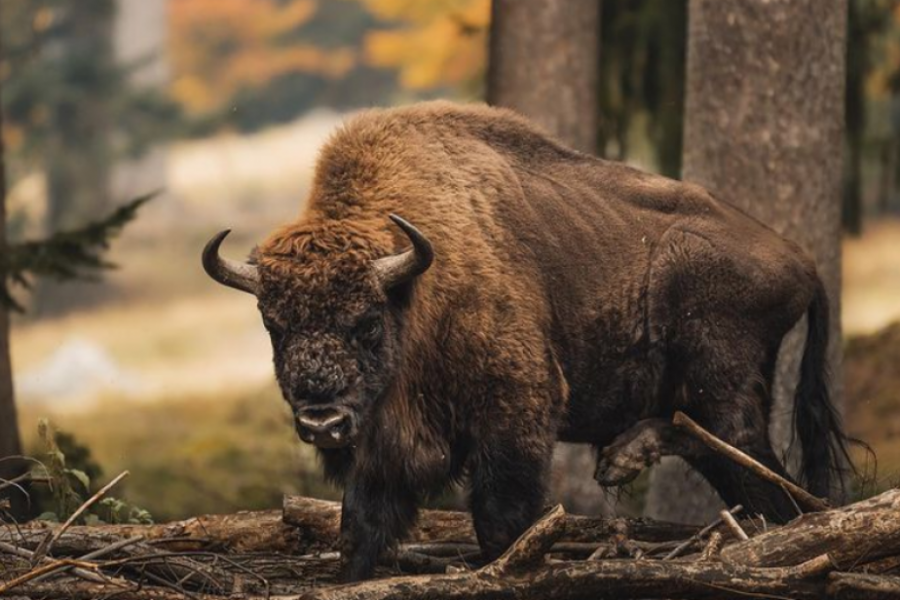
(331, 428)
(321, 425)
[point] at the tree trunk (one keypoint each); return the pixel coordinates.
(764, 123)
(10, 445)
(78, 151)
(543, 64)
(858, 51)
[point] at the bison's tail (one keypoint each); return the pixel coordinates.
(817, 422)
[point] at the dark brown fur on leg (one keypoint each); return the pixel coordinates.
(743, 424)
(509, 469)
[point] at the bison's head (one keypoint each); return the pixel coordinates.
(329, 302)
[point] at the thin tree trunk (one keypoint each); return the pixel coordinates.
(10, 444)
(764, 124)
(78, 153)
(544, 63)
(855, 110)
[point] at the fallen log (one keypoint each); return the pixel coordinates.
(309, 526)
(246, 531)
(856, 586)
(318, 525)
(255, 554)
(523, 573)
(853, 535)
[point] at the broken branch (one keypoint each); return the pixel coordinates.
(804, 498)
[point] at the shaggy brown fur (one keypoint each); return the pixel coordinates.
(570, 298)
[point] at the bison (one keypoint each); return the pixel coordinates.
(528, 294)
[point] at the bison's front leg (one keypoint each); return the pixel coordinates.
(372, 520)
(508, 482)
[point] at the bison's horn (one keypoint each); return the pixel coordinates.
(399, 268)
(237, 275)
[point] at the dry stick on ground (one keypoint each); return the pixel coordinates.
(114, 547)
(84, 506)
(804, 498)
(713, 547)
(46, 544)
(679, 550)
(733, 525)
(51, 567)
(28, 554)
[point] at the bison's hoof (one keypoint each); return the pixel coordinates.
(622, 463)
(609, 474)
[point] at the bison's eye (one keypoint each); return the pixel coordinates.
(369, 331)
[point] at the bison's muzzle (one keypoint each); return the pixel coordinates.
(326, 427)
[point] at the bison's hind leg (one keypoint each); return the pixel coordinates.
(640, 447)
(722, 306)
(736, 410)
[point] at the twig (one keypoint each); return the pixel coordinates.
(531, 547)
(795, 491)
(181, 571)
(43, 570)
(733, 525)
(442, 549)
(23, 553)
(15, 481)
(86, 505)
(101, 552)
(679, 550)
(713, 547)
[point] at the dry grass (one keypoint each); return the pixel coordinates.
(198, 345)
(196, 454)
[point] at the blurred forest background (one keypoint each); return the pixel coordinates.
(221, 105)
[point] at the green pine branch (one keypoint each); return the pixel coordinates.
(65, 255)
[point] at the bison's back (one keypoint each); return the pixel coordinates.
(530, 235)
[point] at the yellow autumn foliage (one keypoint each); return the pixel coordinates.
(434, 42)
(218, 47)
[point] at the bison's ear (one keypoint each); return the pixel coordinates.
(233, 274)
(400, 268)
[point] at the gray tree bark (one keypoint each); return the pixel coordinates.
(78, 153)
(543, 64)
(764, 124)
